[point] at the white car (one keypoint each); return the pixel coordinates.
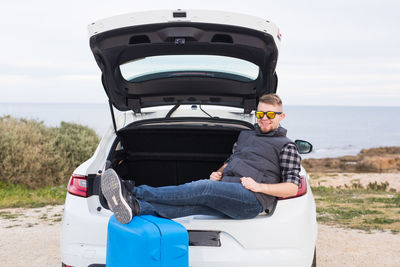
(187, 82)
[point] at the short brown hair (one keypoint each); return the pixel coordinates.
(271, 99)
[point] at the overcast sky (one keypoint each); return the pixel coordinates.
(332, 53)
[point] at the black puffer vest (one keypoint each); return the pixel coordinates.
(257, 155)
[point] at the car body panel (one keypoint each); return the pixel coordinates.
(84, 232)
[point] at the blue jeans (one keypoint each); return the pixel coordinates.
(204, 197)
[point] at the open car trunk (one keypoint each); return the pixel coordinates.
(174, 151)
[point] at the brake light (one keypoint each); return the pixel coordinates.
(302, 189)
(78, 185)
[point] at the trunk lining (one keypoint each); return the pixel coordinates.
(163, 156)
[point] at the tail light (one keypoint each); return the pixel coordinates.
(78, 185)
(302, 189)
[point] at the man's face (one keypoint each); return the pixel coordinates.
(267, 125)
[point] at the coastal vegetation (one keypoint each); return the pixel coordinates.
(35, 156)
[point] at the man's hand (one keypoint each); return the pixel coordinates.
(216, 176)
(250, 184)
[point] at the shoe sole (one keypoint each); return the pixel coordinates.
(112, 191)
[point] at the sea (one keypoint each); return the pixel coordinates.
(332, 130)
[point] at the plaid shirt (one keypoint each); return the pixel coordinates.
(290, 163)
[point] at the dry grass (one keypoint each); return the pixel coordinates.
(15, 196)
(370, 208)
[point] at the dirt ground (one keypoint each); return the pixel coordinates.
(340, 179)
(30, 237)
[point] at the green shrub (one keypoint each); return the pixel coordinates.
(378, 187)
(34, 155)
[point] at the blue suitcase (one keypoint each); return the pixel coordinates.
(147, 241)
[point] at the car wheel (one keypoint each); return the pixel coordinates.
(314, 262)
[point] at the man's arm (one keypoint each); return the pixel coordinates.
(286, 189)
(222, 167)
(290, 170)
(216, 176)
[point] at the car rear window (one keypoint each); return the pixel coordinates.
(165, 66)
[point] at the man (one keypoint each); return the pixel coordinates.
(265, 164)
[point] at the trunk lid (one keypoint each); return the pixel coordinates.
(185, 57)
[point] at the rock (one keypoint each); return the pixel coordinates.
(368, 160)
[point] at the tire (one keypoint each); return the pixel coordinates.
(314, 263)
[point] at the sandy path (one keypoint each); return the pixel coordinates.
(343, 247)
(34, 246)
(30, 237)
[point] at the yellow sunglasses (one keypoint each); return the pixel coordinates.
(270, 114)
